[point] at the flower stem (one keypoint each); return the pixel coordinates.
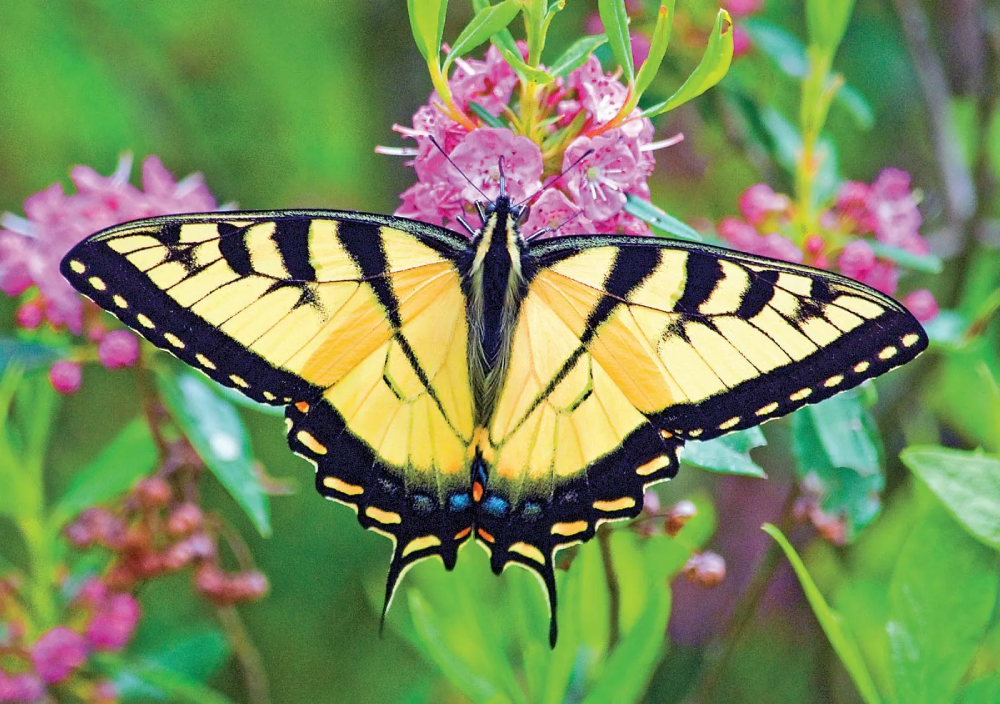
(614, 592)
(254, 675)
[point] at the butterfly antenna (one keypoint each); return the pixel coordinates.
(545, 230)
(450, 161)
(555, 178)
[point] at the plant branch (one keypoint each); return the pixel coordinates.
(960, 193)
(254, 675)
(614, 592)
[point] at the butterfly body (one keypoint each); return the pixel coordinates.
(493, 389)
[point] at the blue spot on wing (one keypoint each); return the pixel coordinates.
(495, 506)
(459, 502)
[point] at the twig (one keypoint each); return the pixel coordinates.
(614, 592)
(717, 658)
(958, 185)
(254, 675)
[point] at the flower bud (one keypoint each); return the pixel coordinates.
(184, 520)
(119, 348)
(678, 516)
(707, 569)
(66, 376)
(58, 653)
(113, 624)
(922, 304)
(30, 315)
(153, 492)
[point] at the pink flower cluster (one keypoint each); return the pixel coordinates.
(572, 131)
(101, 620)
(31, 248)
(885, 212)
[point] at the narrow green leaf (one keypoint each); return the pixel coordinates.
(830, 621)
(216, 431)
(967, 483)
(728, 454)
(924, 263)
(485, 115)
(851, 99)
(484, 24)
(710, 70)
(647, 212)
(615, 20)
(827, 21)
(513, 58)
(657, 47)
(435, 646)
(427, 24)
(628, 670)
(941, 598)
(576, 55)
(130, 456)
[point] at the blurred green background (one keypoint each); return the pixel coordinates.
(280, 105)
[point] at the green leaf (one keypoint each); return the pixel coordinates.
(941, 597)
(827, 21)
(967, 483)
(628, 670)
(484, 115)
(130, 456)
(427, 24)
(28, 354)
(657, 47)
(924, 263)
(728, 454)
(985, 690)
(466, 680)
(647, 212)
(576, 55)
(216, 431)
(836, 444)
(173, 672)
(789, 55)
(710, 70)
(830, 621)
(484, 24)
(615, 20)
(522, 69)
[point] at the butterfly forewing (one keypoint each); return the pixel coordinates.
(356, 325)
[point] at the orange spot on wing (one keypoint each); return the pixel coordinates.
(477, 491)
(485, 536)
(302, 406)
(462, 533)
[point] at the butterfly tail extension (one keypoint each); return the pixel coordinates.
(528, 529)
(350, 472)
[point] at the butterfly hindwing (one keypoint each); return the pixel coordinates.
(627, 347)
(355, 322)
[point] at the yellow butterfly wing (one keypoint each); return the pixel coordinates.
(627, 347)
(355, 322)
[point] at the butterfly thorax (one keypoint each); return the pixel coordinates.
(496, 287)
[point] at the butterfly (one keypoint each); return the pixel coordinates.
(514, 391)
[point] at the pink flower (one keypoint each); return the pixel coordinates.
(894, 209)
(599, 182)
(742, 43)
(742, 8)
(922, 304)
(32, 247)
(601, 95)
(852, 203)
(760, 204)
(66, 376)
(478, 158)
(555, 212)
(112, 626)
(58, 653)
(25, 688)
(856, 259)
(488, 83)
(623, 224)
(119, 348)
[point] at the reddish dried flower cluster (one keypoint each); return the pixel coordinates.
(31, 248)
(671, 519)
(884, 212)
(156, 533)
(707, 569)
(573, 127)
